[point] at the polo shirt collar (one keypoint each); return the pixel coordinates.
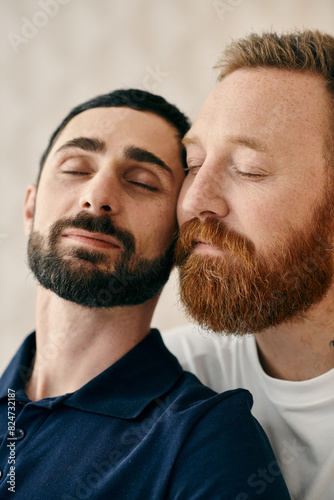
(123, 390)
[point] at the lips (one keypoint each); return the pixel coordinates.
(203, 246)
(92, 239)
(199, 240)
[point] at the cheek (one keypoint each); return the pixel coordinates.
(181, 214)
(50, 207)
(155, 235)
(264, 223)
(165, 229)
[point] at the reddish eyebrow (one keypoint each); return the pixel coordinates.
(190, 139)
(242, 140)
(249, 142)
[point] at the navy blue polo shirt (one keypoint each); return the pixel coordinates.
(143, 429)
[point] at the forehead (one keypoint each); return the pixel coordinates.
(122, 126)
(271, 102)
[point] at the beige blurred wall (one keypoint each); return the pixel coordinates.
(57, 53)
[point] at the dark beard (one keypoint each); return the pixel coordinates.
(74, 274)
(241, 292)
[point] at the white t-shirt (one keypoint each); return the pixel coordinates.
(298, 417)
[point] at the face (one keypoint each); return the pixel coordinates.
(258, 200)
(104, 215)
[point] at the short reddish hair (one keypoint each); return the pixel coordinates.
(304, 51)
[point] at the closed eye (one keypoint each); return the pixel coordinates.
(143, 186)
(249, 174)
(142, 178)
(75, 172)
(193, 169)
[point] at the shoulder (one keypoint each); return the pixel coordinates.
(215, 359)
(221, 446)
(193, 401)
(192, 340)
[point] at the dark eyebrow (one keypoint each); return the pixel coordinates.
(142, 155)
(85, 143)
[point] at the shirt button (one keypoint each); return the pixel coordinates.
(19, 434)
(1, 474)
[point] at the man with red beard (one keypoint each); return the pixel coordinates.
(255, 250)
(93, 405)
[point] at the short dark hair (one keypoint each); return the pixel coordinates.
(137, 99)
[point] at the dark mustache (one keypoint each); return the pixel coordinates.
(97, 224)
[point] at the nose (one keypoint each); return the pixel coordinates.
(202, 195)
(101, 194)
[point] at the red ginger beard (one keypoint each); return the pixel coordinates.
(242, 291)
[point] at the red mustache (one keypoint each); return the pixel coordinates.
(213, 232)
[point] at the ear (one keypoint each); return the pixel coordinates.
(29, 208)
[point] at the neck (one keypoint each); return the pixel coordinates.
(74, 344)
(301, 349)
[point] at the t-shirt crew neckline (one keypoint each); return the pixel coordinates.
(295, 393)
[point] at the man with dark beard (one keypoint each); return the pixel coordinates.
(93, 405)
(256, 245)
